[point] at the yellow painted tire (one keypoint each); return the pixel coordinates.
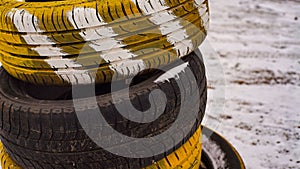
(59, 42)
(6, 161)
(188, 156)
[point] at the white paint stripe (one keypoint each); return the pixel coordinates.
(82, 76)
(107, 45)
(102, 36)
(128, 67)
(172, 73)
(146, 6)
(103, 41)
(202, 9)
(205, 19)
(85, 17)
(203, 12)
(23, 21)
(62, 62)
(93, 17)
(198, 3)
(176, 34)
(162, 17)
(156, 5)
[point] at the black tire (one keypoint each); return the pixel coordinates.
(187, 156)
(49, 131)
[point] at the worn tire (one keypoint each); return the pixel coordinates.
(186, 156)
(55, 48)
(46, 129)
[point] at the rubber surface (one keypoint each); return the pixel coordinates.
(218, 153)
(81, 42)
(187, 156)
(49, 131)
(208, 158)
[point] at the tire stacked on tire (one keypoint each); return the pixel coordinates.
(51, 49)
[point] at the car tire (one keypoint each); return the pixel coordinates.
(49, 130)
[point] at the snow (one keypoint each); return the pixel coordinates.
(254, 79)
(253, 67)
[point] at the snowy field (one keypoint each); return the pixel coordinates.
(257, 45)
(254, 79)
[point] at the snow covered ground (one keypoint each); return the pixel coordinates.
(255, 75)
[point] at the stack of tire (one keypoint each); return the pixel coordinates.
(67, 62)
